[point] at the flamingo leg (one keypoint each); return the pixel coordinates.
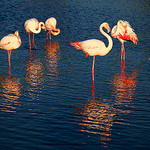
(50, 35)
(93, 68)
(122, 55)
(33, 41)
(9, 54)
(47, 35)
(93, 91)
(29, 42)
(49, 32)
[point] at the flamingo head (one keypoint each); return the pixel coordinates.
(106, 26)
(42, 25)
(17, 35)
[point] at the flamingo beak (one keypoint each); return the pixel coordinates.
(16, 33)
(108, 29)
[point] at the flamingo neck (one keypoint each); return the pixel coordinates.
(39, 28)
(110, 44)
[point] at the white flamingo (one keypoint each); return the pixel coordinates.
(94, 47)
(33, 26)
(10, 42)
(50, 25)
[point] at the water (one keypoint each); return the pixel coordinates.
(49, 102)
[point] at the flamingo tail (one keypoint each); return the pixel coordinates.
(129, 37)
(76, 45)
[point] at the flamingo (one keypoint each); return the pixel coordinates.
(94, 47)
(123, 32)
(10, 42)
(33, 26)
(50, 25)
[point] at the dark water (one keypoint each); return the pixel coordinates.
(49, 102)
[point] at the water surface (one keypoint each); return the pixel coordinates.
(49, 101)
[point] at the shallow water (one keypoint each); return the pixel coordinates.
(49, 101)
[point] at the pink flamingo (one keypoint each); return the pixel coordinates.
(123, 32)
(33, 26)
(10, 42)
(94, 47)
(50, 25)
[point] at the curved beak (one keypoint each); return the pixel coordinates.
(16, 33)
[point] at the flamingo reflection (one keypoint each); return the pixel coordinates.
(34, 76)
(96, 116)
(52, 57)
(10, 93)
(124, 86)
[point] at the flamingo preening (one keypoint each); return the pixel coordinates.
(123, 32)
(33, 26)
(50, 25)
(10, 42)
(94, 47)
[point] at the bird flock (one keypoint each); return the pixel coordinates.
(92, 47)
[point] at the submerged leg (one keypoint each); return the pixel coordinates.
(93, 68)
(33, 41)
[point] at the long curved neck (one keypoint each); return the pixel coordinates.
(110, 44)
(39, 28)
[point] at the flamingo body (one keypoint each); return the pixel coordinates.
(124, 32)
(10, 42)
(33, 26)
(94, 47)
(50, 25)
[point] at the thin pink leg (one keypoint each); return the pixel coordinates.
(9, 54)
(33, 41)
(49, 32)
(29, 42)
(122, 55)
(93, 68)
(93, 91)
(47, 35)
(50, 35)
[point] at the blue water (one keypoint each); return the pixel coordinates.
(49, 103)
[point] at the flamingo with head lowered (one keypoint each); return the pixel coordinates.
(94, 47)
(33, 26)
(50, 25)
(10, 42)
(123, 32)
